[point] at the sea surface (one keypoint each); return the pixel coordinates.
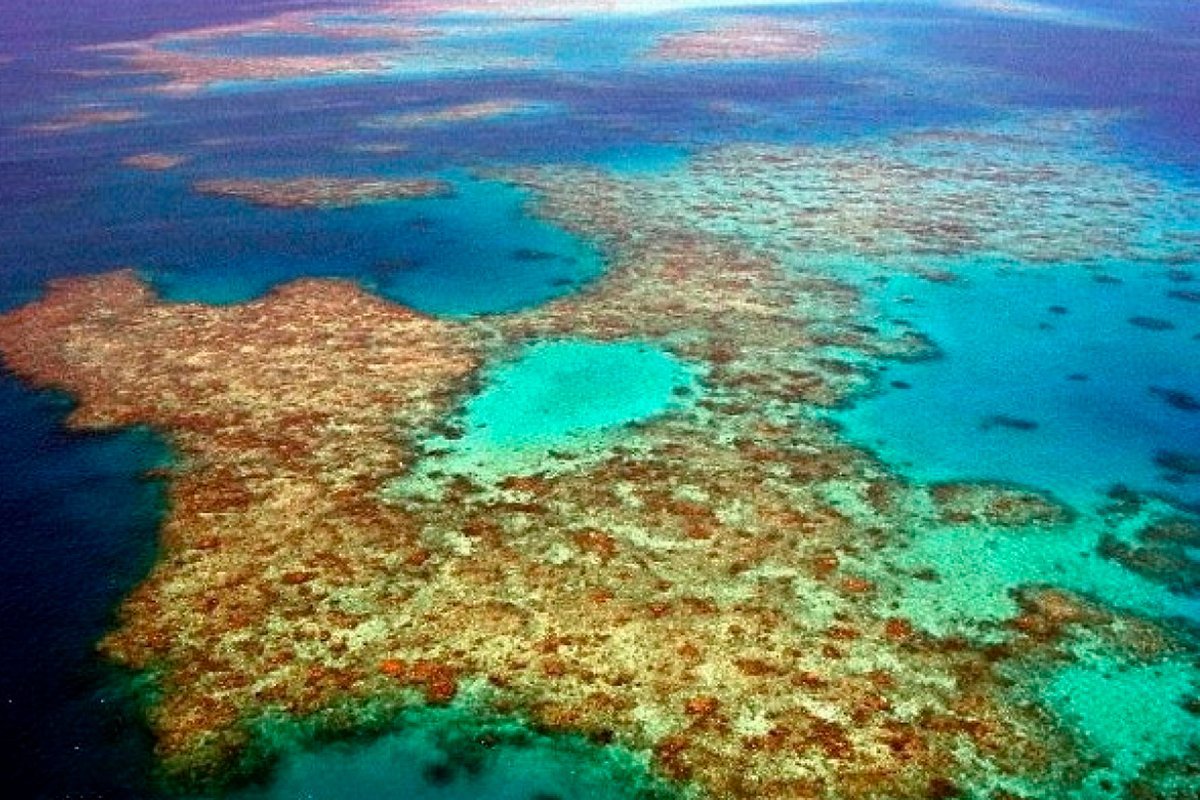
(1080, 379)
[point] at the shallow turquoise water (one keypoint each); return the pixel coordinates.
(555, 402)
(980, 570)
(445, 754)
(1131, 713)
(1043, 380)
(556, 391)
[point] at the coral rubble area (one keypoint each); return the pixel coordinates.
(322, 192)
(748, 38)
(726, 586)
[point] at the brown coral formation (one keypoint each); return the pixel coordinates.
(283, 413)
(86, 118)
(744, 39)
(154, 162)
(707, 590)
(1031, 194)
(1002, 506)
(761, 329)
(1163, 551)
(695, 594)
(322, 192)
(464, 112)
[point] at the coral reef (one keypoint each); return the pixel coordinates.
(743, 39)
(381, 39)
(659, 598)
(174, 56)
(188, 73)
(86, 117)
(1037, 192)
(154, 162)
(714, 587)
(322, 192)
(984, 504)
(1163, 551)
(466, 112)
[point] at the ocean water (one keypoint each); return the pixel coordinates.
(80, 529)
(1069, 378)
(451, 754)
(475, 252)
(1070, 392)
(558, 400)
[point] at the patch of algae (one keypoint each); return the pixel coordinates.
(707, 590)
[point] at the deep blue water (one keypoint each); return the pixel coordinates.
(1149, 70)
(34, 27)
(79, 530)
(475, 252)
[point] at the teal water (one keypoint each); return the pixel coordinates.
(449, 754)
(979, 572)
(1132, 714)
(557, 391)
(476, 252)
(554, 403)
(1046, 378)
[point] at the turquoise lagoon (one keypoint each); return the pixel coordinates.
(1068, 378)
(556, 403)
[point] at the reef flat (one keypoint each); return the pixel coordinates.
(321, 192)
(624, 399)
(656, 594)
(743, 39)
(303, 46)
(467, 112)
(1035, 191)
(188, 67)
(86, 117)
